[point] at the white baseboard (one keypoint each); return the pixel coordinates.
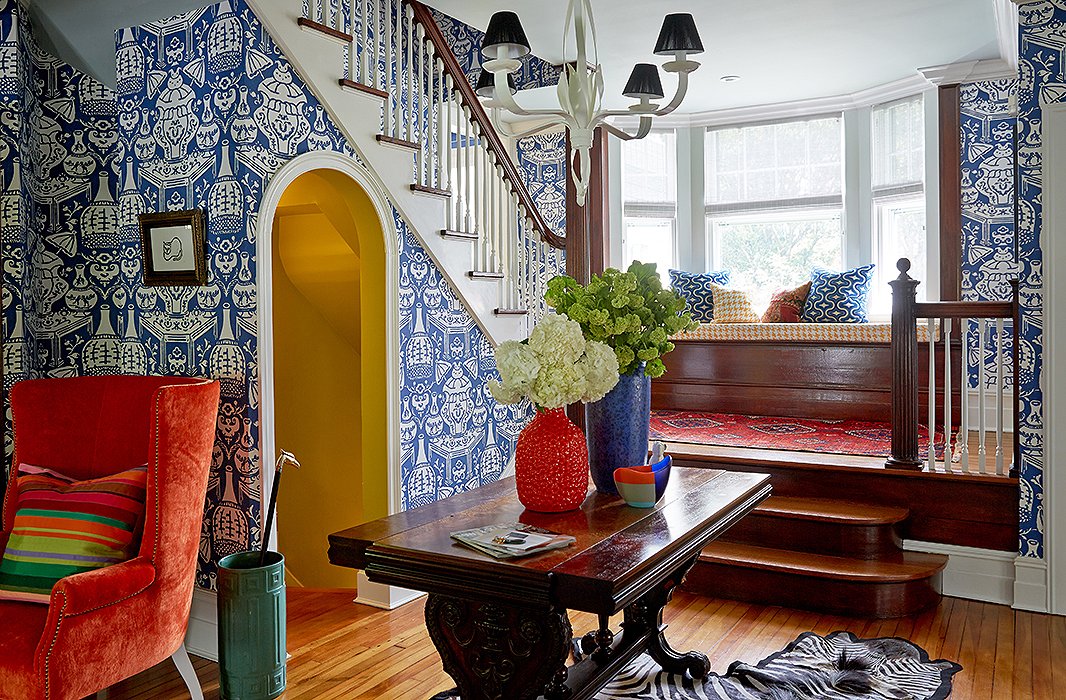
(201, 638)
(1030, 584)
(378, 595)
(977, 574)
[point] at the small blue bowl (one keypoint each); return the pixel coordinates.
(643, 486)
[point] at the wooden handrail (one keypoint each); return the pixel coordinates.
(963, 309)
(451, 66)
(905, 313)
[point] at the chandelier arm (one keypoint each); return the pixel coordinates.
(507, 101)
(643, 129)
(537, 129)
(679, 96)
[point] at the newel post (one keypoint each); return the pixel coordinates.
(904, 371)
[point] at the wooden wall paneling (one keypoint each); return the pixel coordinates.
(950, 194)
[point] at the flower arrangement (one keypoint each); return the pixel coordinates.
(629, 311)
(555, 367)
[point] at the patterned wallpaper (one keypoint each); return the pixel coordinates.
(465, 42)
(543, 161)
(987, 124)
(1042, 76)
(207, 110)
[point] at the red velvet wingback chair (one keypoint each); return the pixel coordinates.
(103, 626)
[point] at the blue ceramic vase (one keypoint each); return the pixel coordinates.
(616, 428)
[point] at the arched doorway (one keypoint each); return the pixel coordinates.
(327, 312)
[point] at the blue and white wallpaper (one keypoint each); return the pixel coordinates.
(1042, 77)
(465, 42)
(987, 123)
(207, 110)
(542, 158)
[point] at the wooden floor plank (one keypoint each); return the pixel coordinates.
(342, 651)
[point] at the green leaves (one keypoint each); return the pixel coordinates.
(629, 311)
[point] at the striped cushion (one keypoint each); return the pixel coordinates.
(64, 527)
(695, 288)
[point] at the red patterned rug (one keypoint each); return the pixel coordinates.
(848, 437)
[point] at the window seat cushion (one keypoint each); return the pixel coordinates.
(797, 332)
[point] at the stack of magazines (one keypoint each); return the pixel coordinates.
(510, 540)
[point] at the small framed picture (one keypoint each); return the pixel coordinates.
(172, 244)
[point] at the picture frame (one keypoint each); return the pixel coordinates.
(173, 247)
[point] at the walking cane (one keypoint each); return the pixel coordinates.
(284, 458)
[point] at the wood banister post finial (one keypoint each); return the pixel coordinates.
(904, 371)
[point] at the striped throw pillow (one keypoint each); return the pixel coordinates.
(64, 527)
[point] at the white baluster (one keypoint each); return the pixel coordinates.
(410, 116)
(449, 153)
(530, 273)
(429, 136)
(468, 171)
(982, 452)
(949, 425)
(931, 418)
(443, 131)
(475, 201)
(1000, 326)
(396, 84)
(388, 77)
(419, 99)
(364, 45)
(964, 395)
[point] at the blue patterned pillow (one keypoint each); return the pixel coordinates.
(695, 287)
(838, 297)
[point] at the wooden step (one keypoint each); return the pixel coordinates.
(822, 526)
(435, 191)
(330, 32)
(970, 510)
(510, 312)
(484, 275)
(393, 141)
(837, 585)
(459, 235)
(359, 87)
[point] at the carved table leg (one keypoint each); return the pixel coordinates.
(647, 614)
(500, 652)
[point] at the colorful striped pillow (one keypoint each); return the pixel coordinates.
(63, 527)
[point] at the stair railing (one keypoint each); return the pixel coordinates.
(980, 340)
(397, 52)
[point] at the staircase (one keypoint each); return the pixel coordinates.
(819, 554)
(385, 74)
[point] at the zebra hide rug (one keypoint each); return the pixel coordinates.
(838, 666)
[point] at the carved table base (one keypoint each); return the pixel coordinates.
(495, 651)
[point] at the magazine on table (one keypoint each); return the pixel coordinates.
(510, 540)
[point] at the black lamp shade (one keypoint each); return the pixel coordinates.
(505, 29)
(644, 82)
(678, 34)
(486, 85)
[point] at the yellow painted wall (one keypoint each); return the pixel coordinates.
(329, 371)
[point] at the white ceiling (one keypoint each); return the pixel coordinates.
(783, 50)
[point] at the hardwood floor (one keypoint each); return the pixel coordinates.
(346, 651)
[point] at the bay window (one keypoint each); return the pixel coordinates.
(649, 200)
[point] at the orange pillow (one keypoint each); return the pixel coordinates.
(786, 305)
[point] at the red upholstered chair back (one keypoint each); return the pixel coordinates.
(87, 427)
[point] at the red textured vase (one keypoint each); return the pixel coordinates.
(551, 463)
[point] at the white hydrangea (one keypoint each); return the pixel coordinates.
(600, 367)
(559, 338)
(556, 367)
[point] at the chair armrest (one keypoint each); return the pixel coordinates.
(92, 590)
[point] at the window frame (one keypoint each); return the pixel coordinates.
(650, 210)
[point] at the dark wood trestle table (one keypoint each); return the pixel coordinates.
(501, 626)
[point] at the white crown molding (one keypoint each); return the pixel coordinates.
(969, 71)
(1006, 12)
(921, 80)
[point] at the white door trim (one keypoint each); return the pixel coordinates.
(1054, 351)
(326, 160)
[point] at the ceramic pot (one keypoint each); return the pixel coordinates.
(617, 428)
(551, 463)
